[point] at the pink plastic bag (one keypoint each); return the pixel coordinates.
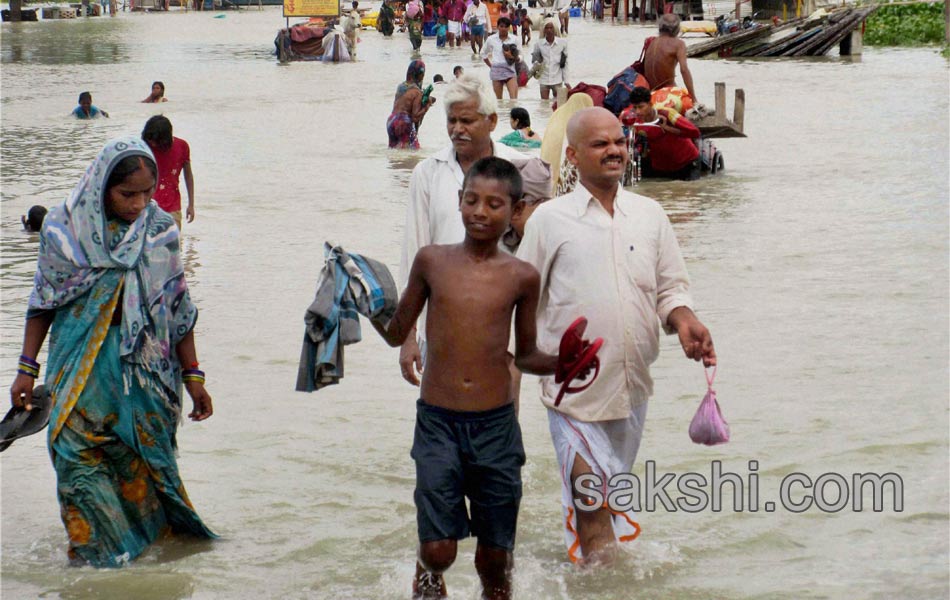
(708, 427)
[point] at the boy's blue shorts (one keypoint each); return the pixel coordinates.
(461, 454)
(478, 30)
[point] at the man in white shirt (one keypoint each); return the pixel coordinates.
(503, 73)
(563, 8)
(476, 17)
(551, 52)
(432, 215)
(611, 256)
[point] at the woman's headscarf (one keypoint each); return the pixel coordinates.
(415, 70)
(79, 245)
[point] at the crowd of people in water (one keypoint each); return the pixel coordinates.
(645, 96)
(499, 234)
(482, 222)
(507, 208)
(171, 154)
(457, 22)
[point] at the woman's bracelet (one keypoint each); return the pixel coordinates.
(29, 367)
(195, 375)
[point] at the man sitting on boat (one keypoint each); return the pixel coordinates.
(670, 147)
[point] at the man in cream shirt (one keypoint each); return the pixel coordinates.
(611, 256)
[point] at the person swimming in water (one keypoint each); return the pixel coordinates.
(33, 220)
(86, 109)
(157, 95)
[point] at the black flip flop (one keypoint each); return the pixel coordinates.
(20, 422)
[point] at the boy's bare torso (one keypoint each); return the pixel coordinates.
(468, 325)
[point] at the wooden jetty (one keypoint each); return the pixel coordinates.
(726, 45)
(717, 125)
(803, 37)
(838, 29)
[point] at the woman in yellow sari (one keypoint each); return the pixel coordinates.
(110, 290)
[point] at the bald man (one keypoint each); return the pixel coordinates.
(611, 256)
(666, 51)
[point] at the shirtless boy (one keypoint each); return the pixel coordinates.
(467, 439)
(526, 25)
(666, 51)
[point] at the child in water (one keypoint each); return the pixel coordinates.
(33, 220)
(173, 158)
(467, 439)
(86, 109)
(440, 32)
(526, 25)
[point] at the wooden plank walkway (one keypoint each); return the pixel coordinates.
(814, 37)
(729, 41)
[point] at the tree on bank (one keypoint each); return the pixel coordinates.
(907, 24)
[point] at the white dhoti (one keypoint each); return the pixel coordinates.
(609, 447)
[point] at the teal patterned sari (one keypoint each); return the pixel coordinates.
(116, 388)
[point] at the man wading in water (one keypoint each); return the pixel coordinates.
(612, 256)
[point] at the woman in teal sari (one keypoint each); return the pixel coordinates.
(110, 289)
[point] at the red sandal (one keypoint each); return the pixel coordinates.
(575, 356)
